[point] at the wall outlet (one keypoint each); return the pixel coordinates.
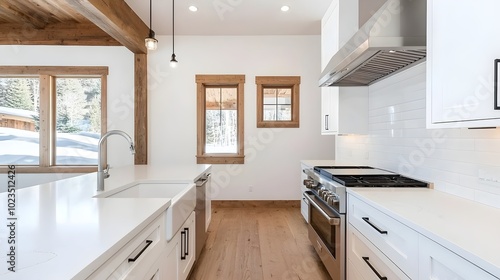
(489, 175)
(250, 188)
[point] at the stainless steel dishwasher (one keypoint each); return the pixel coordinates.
(202, 185)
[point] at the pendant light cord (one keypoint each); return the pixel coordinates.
(150, 15)
(173, 27)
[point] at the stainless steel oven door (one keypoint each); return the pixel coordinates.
(327, 235)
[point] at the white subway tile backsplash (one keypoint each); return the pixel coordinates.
(399, 141)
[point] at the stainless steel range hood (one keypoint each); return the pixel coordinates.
(393, 39)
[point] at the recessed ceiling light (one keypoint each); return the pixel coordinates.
(193, 8)
(285, 8)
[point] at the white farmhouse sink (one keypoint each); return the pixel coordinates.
(183, 202)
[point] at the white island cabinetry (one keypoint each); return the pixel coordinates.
(71, 231)
(460, 63)
(180, 252)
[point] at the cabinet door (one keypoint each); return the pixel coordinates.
(460, 63)
(171, 260)
(329, 33)
(186, 247)
(437, 262)
(329, 110)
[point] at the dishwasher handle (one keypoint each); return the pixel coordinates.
(202, 181)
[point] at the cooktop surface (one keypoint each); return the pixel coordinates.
(366, 176)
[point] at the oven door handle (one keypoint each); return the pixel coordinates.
(331, 221)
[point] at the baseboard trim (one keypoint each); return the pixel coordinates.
(255, 203)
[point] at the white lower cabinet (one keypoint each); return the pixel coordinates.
(394, 239)
(134, 260)
(379, 245)
(438, 263)
(181, 251)
(366, 261)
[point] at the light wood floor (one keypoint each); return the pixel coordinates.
(258, 243)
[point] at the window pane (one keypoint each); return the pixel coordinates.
(78, 120)
(212, 101)
(270, 96)
(19, 121)
(284, 113)
(285, 96)
(269, 112)
(229, 99)
(221, 120)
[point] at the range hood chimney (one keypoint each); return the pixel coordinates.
(393, 39)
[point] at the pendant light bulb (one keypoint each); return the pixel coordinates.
(151, 42)
(173, 61)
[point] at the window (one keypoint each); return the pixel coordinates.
(277, 101)
(51, 118)
(220, 119)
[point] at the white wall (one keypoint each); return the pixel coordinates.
(398, 141)
(120, 91)
(271, 166)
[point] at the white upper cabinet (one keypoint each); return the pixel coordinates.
(329, 33)
(343, 110)
(462, 45)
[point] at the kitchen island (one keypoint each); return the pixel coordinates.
(63, 232)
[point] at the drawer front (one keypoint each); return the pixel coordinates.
(143, 249)
(395, 240)
(366, 261)
(437, 262)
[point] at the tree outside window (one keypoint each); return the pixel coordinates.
(220, 118)
(51, 118)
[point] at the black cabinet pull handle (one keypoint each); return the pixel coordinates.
(495, 86)
(367, 220)
(148, 242)
(183, 240)
(187, 242)
(366, 259)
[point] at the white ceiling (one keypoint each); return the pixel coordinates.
(234, 17)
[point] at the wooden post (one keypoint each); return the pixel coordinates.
(141, 108)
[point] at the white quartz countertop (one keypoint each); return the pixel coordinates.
(468, 228)
(62, 232)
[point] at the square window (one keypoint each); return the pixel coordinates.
(277, 101)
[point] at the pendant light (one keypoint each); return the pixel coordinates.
(151, 42)
(173, 61)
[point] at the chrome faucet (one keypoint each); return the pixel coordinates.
(104, 173)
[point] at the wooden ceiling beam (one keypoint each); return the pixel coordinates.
(86, 34)
(17, 9)
(117, 19)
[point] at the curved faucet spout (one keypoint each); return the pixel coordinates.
(101, 173)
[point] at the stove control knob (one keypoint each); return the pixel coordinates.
(309, 183)
(332, 199)
(322, 191)
(326, 194)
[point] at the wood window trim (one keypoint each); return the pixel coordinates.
(278, 81)
(202, 82)
(47, 76)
